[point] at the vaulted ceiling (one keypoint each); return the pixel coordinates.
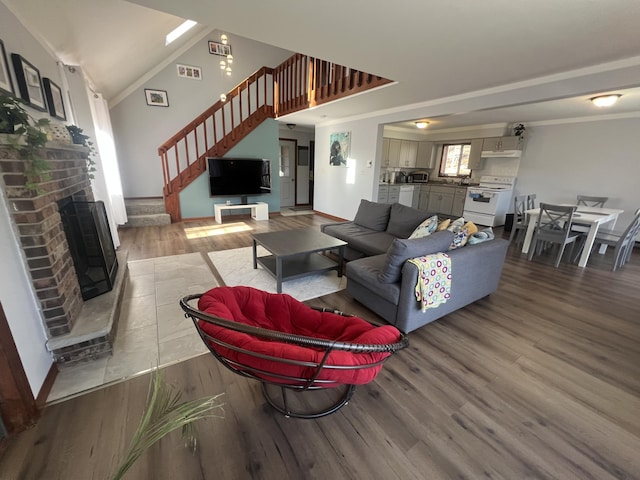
(472, 56)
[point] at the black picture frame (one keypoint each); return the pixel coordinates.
(6, 83)
(29, 82)
(55, 102)
(156, 98)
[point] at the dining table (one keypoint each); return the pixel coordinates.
(592, 217)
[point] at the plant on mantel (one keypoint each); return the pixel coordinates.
(79, 138)
(26, 137)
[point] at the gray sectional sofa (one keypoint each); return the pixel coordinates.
(385, 282)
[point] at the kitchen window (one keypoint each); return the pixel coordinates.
(455, 160)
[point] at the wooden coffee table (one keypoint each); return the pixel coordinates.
(295, 254)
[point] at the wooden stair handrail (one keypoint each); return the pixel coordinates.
(300, 82)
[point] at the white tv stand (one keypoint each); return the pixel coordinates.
(259, 210)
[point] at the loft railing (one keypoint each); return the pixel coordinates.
(300, 82)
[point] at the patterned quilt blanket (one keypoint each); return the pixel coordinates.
(433, 287)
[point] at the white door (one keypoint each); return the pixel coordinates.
(287, 172)
(302, 176)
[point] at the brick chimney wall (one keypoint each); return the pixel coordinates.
(40, 232)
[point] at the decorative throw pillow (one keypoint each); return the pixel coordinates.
(425, 228)
(372, 215)
(402, 250)
(460, 238)
(481, 236)
(456, 225)
(443, 225)
(471, 227)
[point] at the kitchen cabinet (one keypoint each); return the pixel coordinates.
(388, 193)
(441, 200)
(424, 157)
(383, 193)
(459, 197)
(476, 162)
(423, 200)
(394, 152)
(498, 144)
(408, 153)
(385, 152)
(394, 193)
(416, 197)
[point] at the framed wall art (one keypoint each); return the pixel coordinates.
(339, 147)
(6, 84)
(216, 48)
(29, 82)
(53, 94)
(188, 71)
(156, 98)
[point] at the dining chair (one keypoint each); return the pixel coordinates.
(590, 201)
(622, 242)
(553, 227)
(519, 217)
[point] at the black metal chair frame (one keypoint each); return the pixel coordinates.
(296, 384)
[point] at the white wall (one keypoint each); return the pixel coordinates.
(140, 129)
(16, 294)
(338, 190)
(599, 158)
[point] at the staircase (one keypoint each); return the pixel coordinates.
(299, 83)
(145, 212)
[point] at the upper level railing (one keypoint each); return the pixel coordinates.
(300, 82)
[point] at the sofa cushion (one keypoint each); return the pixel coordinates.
(402, 250)
(426, 228)
(362, 239)
(403, 220)
(372, 215)
(365, 271)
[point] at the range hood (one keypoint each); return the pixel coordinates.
(501, 154)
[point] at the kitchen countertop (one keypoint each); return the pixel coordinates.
(432, 184)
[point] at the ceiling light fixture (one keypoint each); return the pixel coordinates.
(605, 100)
(422, 124)
(178, 32)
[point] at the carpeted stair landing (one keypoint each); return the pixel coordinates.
(144, 212)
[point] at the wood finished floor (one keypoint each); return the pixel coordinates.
(539, 380)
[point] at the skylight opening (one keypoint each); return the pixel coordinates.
(178, 32)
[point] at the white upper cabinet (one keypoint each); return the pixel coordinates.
(394, 152)
(499, 144)
(476, 162)
(424, 158)
(408, 153)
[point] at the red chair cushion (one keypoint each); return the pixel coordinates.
(283, 313)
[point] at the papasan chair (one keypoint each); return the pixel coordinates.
(291, 347)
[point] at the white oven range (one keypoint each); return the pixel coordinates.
(488, 203)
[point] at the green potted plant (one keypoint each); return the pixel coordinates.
(25, 136)
(79, 138)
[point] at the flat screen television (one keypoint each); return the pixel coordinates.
(239, 177)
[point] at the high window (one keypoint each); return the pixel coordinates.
(455, 160)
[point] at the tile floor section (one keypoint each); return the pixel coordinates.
(152, 329)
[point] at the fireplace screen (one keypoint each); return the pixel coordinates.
(91, 245)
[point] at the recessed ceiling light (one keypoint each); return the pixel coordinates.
(605, 100)
(178, 32)
(422, 124)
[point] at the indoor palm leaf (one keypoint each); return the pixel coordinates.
(164, 413)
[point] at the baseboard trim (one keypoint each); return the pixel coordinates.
(47, 385)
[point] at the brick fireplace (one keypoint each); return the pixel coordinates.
(40, 233)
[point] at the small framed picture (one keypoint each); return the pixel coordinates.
(156, 98)
(29, 82)
(6, 84)
(188, 71)
(216, 48)
(53, 94)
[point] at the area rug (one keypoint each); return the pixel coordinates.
(236, 268)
